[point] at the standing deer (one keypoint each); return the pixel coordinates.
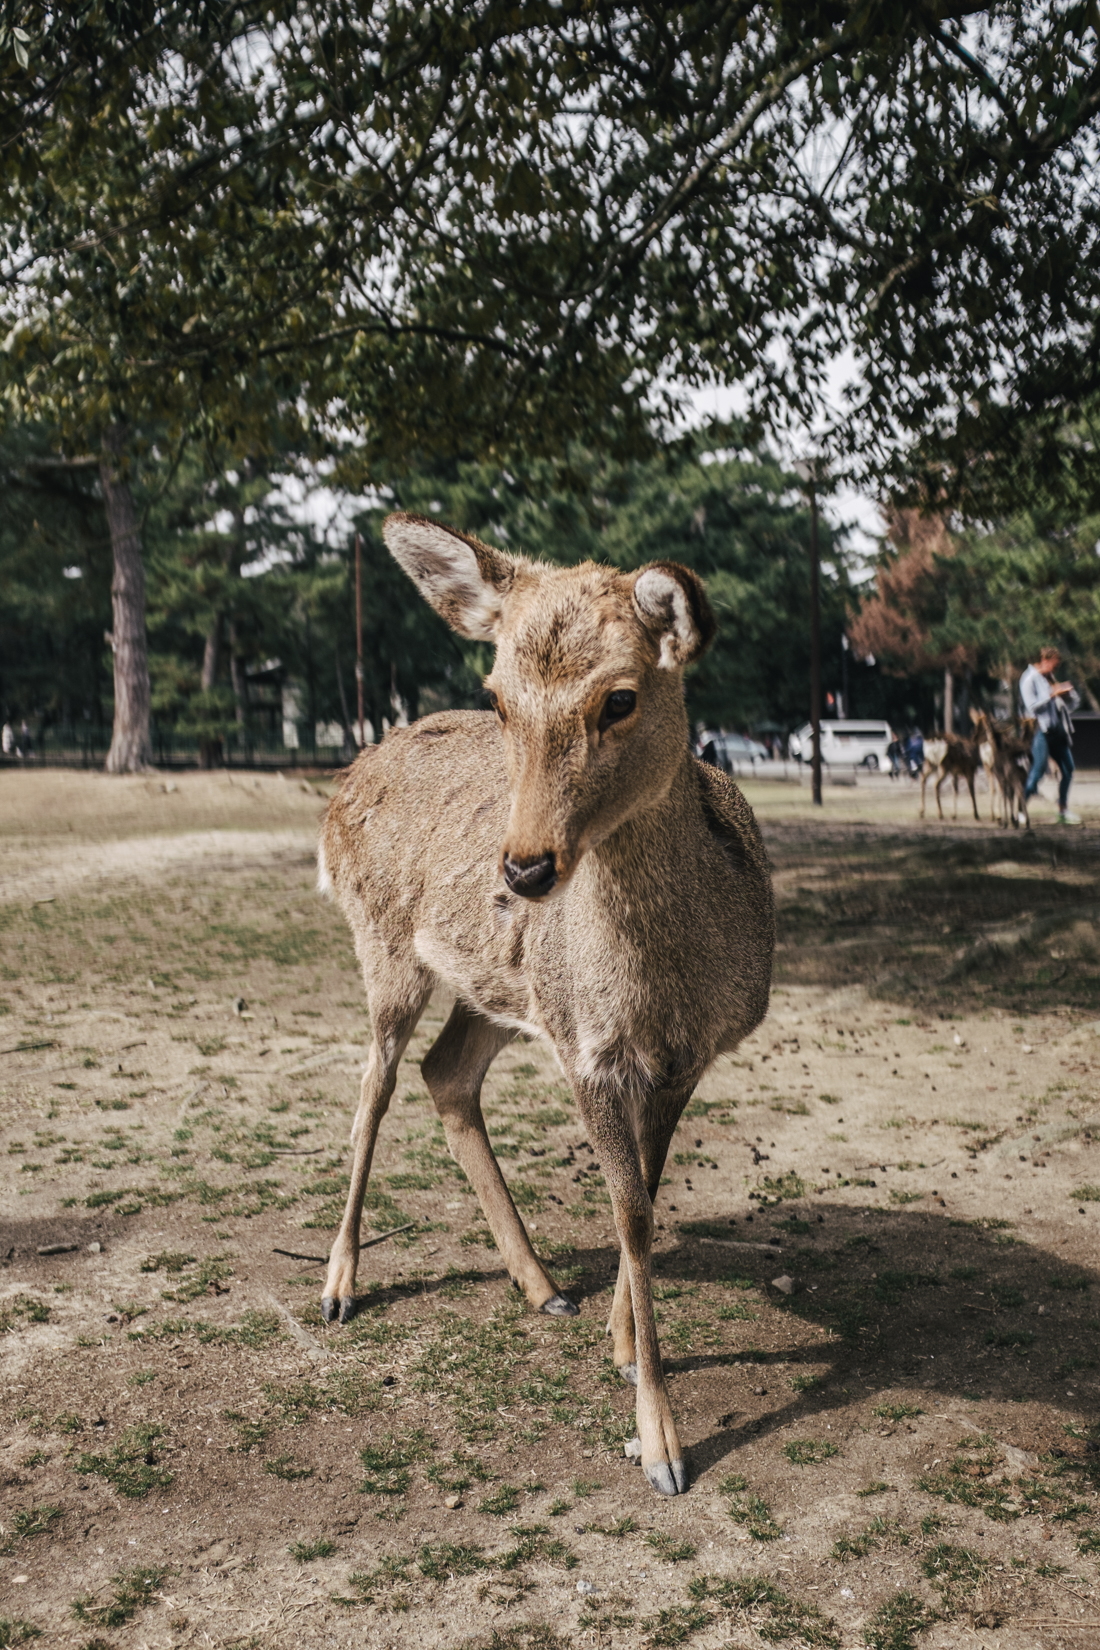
(570, 871)
(950, 758)
(1011, 761)
(987, 750)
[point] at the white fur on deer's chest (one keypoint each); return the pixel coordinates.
(482, 977)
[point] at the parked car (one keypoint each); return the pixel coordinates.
(735, 749)
(865, 744)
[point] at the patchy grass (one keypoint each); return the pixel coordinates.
(303, 1552)
(131, 1466)
(445, 1559)
(387, 1464)
(32, 1521)
(131, 1590)
(896, 1623)
(286, 1468)
(774, 1614)
(954, 1571)
(14, 1630)
(672, 1551)
(749, 1510)
(809, 1452)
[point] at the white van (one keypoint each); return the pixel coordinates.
(864, 744)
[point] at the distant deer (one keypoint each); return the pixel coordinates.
(950, 758)
(1011, 762)
(568, 870)
(987, 750)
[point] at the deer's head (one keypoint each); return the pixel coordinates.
(586, 683)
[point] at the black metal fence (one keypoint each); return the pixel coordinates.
(85, 746)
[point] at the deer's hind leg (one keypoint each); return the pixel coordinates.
(393, 1021)
(611, 1132)
(454, 1070)
(655, 1132)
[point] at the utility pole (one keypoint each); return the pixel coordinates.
(845, 707)
(359, 631)
(808, 471)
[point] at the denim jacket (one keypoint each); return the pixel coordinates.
(1038, 701)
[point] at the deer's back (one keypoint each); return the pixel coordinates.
(423, 810)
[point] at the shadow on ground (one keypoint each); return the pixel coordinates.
(954, 920)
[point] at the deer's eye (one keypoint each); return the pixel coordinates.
(496, 704)
(617, 707)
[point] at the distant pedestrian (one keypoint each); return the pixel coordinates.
(894, 754)
(26, 741)
(1052, 705)
(7, 739)
(914, 753)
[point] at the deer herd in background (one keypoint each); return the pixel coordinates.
(1002, 749)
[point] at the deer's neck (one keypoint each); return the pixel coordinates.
(651, 850)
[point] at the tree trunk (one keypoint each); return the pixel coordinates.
(210, 746)
(236, 675)
(131, 748)
(948, 702)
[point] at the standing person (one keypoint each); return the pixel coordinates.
(1052, 704)
(914, 753)
(7, 739)
(894, 752)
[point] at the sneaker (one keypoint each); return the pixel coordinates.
(1069, 819)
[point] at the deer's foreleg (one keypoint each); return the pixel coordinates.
(392, 1031)
(454, 1071)
(610, 1132)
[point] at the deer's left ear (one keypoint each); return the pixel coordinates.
(670, 600)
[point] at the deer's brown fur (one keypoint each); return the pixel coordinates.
(1011, 749)
(951, 758)
(987, 751)
(632, 925)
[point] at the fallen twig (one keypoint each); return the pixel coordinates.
(369, 1243)
(25, 1048)
(198, 1088)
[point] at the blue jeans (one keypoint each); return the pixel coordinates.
(1047, 746)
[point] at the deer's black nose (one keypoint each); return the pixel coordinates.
(531, 878)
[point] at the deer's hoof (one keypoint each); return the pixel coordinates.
(559, 1306)
(668, 1478)
(329, 1308)
(347, 1307)
(629, 1373)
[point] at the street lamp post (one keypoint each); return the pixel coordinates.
(809, 470)
(359, 632)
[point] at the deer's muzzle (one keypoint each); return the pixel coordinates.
(531, 878)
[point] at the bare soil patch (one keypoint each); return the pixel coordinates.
(895, 1444)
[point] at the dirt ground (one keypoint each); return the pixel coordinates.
(876, 1305)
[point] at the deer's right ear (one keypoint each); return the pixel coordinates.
(464, 580)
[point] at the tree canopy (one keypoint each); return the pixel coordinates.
(463, 224)
(484, 232)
